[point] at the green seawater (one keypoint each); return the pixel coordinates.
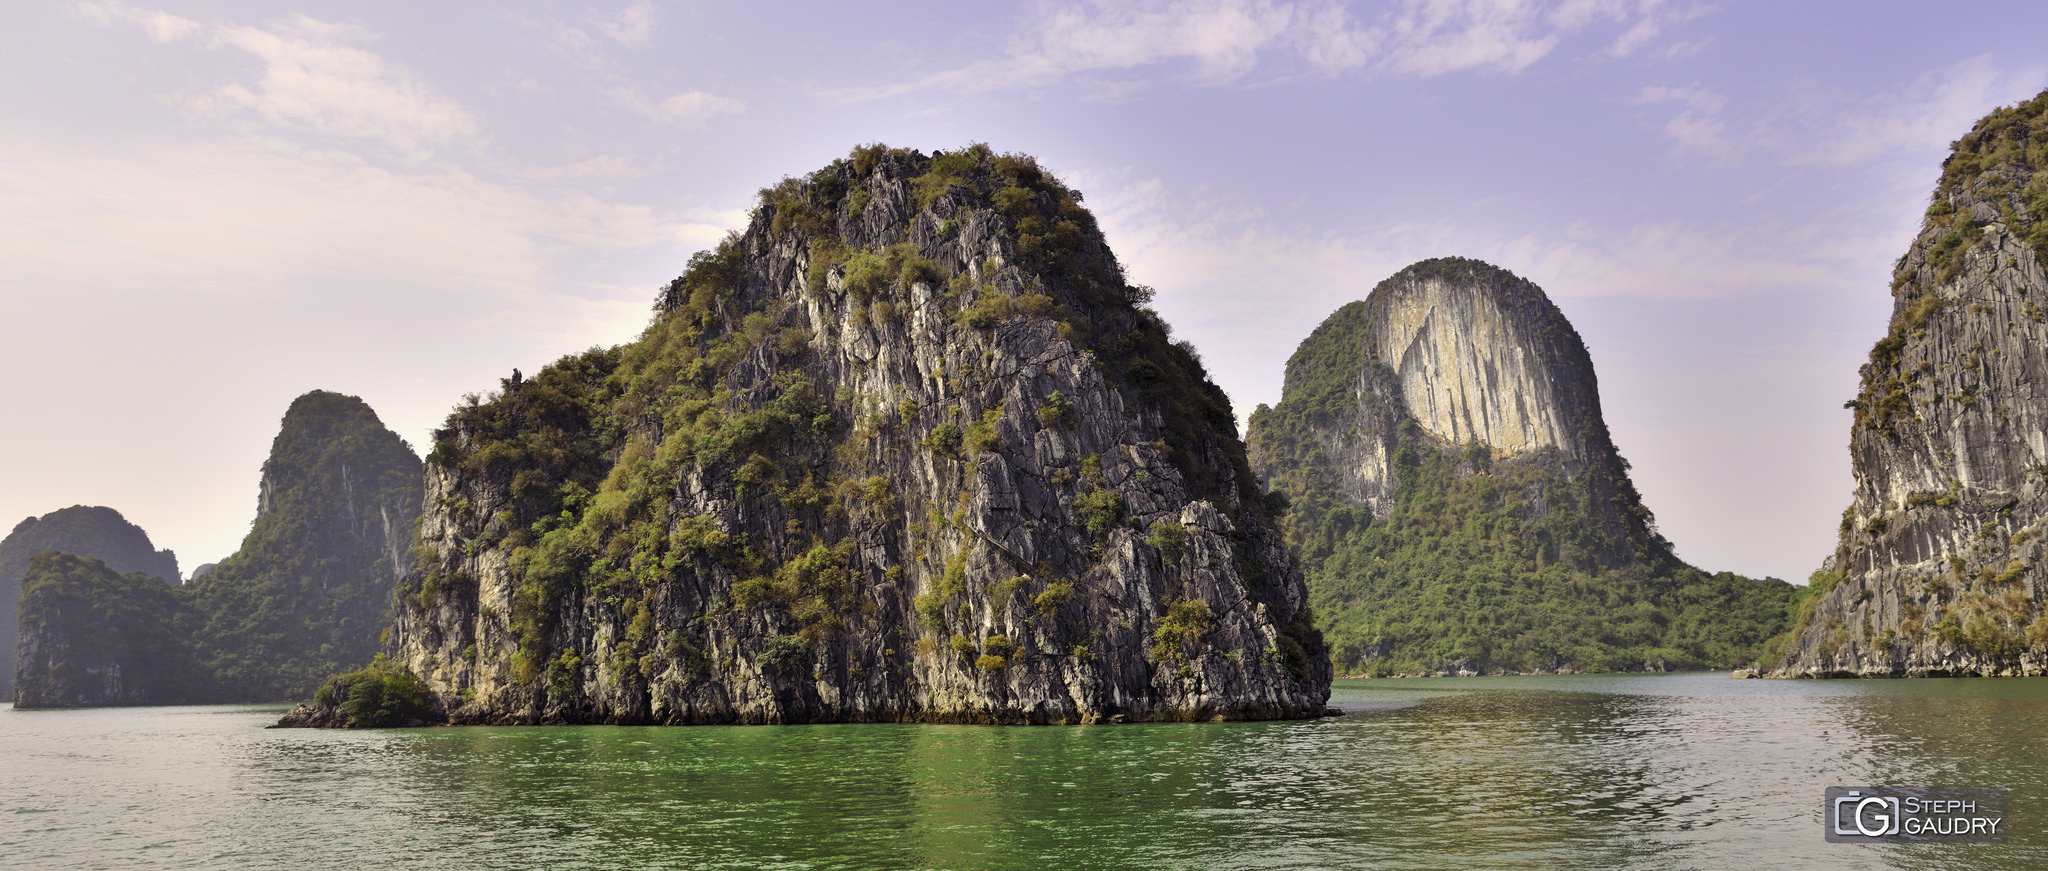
(1650, 771)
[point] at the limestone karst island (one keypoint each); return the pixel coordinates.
(1936, 570)
(911, 448)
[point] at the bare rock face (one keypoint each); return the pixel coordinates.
(1936, 570)
(89, 531)
(907, 449)
(1483, 356)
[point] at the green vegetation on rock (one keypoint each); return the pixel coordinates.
(1465, 574)
(377, 696)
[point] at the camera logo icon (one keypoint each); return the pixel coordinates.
(1872, 816)
(1915, 814)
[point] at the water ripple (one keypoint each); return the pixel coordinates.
(1662, 772)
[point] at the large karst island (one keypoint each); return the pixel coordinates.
(1937, 569)
(1459, 506)
(907, 449)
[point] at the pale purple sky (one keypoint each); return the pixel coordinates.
(208, 208)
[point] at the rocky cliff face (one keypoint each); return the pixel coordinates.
(1483, 356)
(90, 531)
(1935, 572)
(1460, 506)
(97, 637)
(907, 449)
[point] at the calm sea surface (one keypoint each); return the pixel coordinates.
(1683, 771)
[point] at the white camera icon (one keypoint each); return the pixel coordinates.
(1872, 816)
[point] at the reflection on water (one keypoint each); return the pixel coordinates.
(1663, 771)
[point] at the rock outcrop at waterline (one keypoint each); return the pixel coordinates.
(907, 449)
(85, 530)
(1937, 568)
(1459, 505)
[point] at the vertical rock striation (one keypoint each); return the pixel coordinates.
(1481, 355)
(89, 531)
(1460, 505)
(907, 449)
(1936, 569)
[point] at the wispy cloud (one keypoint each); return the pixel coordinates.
(1642, 22)
(269, 213)
(1676, 259)
(317, 78)
(1698, 126)
(698, 105)
(1213, 42)
(633, 26)
(1435, 37)
(314, 81)
(1221, 39)
(1925, 115)
(161, 26)
(1803, 125)
(320, 78)
(587, 54)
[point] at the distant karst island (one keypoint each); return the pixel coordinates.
(1459, 507)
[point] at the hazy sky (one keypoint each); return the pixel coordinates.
(208, 208)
